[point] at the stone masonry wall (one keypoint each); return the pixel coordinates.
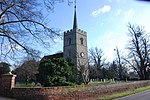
(87, 92)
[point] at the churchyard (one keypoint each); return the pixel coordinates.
(77, 72)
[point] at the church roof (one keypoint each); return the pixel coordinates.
(57, 55)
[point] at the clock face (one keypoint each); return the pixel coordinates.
(82, 54)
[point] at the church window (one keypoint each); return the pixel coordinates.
(81, 40)
(69, 41)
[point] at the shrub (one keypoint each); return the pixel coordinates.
(55, 72)
(4, 68)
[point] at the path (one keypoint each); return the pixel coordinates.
(145, 95)
(3, 98)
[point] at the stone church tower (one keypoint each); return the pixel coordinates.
(75, 46)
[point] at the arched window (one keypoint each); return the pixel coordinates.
(81, 40)
(69, 41)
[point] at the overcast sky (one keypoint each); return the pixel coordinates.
(105, 22)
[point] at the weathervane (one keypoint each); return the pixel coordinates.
(75, 4)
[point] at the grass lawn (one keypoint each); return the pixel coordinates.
(107, 82)
(102, 83)
(22, 84)
(122, 94)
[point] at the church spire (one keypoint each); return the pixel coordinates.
(75, 25)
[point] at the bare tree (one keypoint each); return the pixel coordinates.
(27, 70)
(113, 70)
(22, 26)
(97, 60)
(139, 51)
(122, 69)
(83, 69)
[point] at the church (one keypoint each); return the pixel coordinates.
(74, 46)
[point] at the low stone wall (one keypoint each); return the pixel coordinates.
(88, 92)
